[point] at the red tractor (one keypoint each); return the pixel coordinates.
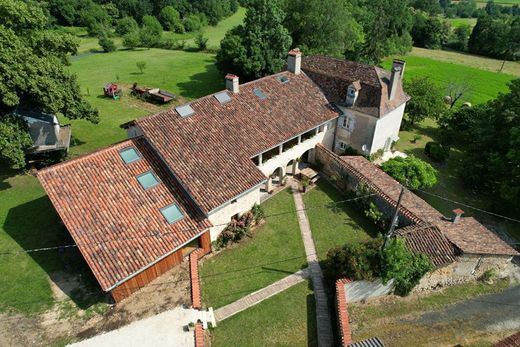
(112, 90)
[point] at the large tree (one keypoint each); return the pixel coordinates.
(386, 25)
(33, 74)
(426, 101)
(259, 46)
(323, 26)
(491, 153)
(411, 172)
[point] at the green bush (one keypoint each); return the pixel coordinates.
(405, 267)
(436, 151)
(132, 40)
(201, 41)
(357, 261)
(374, 214)
(126, 25)
(107, 44)
(411, 171)
(258, 213)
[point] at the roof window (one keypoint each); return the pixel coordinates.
(258, 92)
(283, 79)
(184, 110)
(222, 97)
(129, 155)
(148, 180)
(172, 213)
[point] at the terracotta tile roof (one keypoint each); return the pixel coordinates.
(210, 151)
(510, 341)
(468, 234)
(116, 224)
(342, 312)
(429, 240)
(335, 75)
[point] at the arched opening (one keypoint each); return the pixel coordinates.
(291, 167)
(306, 157)
(277, 177)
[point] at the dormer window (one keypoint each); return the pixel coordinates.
(352, 93)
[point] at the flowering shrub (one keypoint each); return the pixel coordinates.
(237, 229)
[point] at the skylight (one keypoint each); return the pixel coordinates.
(258, 92)
(184, 110)
(283, 79)
(129, 155)
(172, 213)
(148, 180)
(223, 97)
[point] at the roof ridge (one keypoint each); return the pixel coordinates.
(87, 155)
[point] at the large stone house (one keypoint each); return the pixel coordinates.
(136, 208)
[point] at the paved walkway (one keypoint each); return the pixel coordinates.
(325, 336)
(260, 295)
(164, 329)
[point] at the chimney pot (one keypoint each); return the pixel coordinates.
(396, 77)
(458, 213)
(232, 83)
(294, 61)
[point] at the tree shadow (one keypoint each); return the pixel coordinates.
(74, 141)
(203, 83)
(6, 173)
(312, 325)
(35, 225)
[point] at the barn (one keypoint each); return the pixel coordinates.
(129, 218)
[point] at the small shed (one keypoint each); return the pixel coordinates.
(46, 132)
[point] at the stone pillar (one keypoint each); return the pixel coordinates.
(295, 168)
(299, 139)
(269, 185)
(280, 149)
(260, 159)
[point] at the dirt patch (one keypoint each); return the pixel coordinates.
(67, 322)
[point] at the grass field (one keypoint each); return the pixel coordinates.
(286, 319)
(187, 74)
(214, 34)
(482, 63)
(457, 22)
(485, 85)
(335, 224)
(275, 251)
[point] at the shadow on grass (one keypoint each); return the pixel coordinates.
(5, 174)
(351, 209)
(312, 327)
(35, 225)
(203, 83)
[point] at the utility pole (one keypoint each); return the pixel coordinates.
(394, 219)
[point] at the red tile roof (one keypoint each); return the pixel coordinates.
(210, 151)
(116, 224)
(468, 234)
(510, 341)
(342, 311)
(428, 239)
(335, 75)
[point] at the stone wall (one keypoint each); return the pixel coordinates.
(469, 267)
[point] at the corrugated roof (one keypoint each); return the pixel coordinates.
(371, 342)
(116, 223)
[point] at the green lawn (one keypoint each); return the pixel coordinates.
(479, 62)
(485, 85)
(286, 319)
(188, 74)
(334, 224)
(275, 251)
(457, 22)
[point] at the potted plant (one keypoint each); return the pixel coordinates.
(191, 326)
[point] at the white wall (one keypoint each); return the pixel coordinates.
(387, 126)
(326, 138)
(223, 214)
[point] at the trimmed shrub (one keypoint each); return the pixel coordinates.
(107, 44)
(436, 151)
(411, 171)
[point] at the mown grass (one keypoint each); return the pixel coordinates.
(286, 319)
(465, 59)
(334, 224)
(485, 85)
(275, 251)
(457, 22)
(187, 74)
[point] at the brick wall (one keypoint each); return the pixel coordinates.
(342, 313)
(195, 281)
(199, 335)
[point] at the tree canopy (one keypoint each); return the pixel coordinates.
(32, 70)
(259, 46)
(411, 172)
(426, 99)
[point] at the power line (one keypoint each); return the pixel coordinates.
(469, 206)
(60, 247)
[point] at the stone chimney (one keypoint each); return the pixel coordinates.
(458, 213)
(294, 61)
(232, 83)
(396, 77)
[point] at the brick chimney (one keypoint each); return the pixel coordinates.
(396, 77)
(458, 213)
(294, 61)
(232, 83)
